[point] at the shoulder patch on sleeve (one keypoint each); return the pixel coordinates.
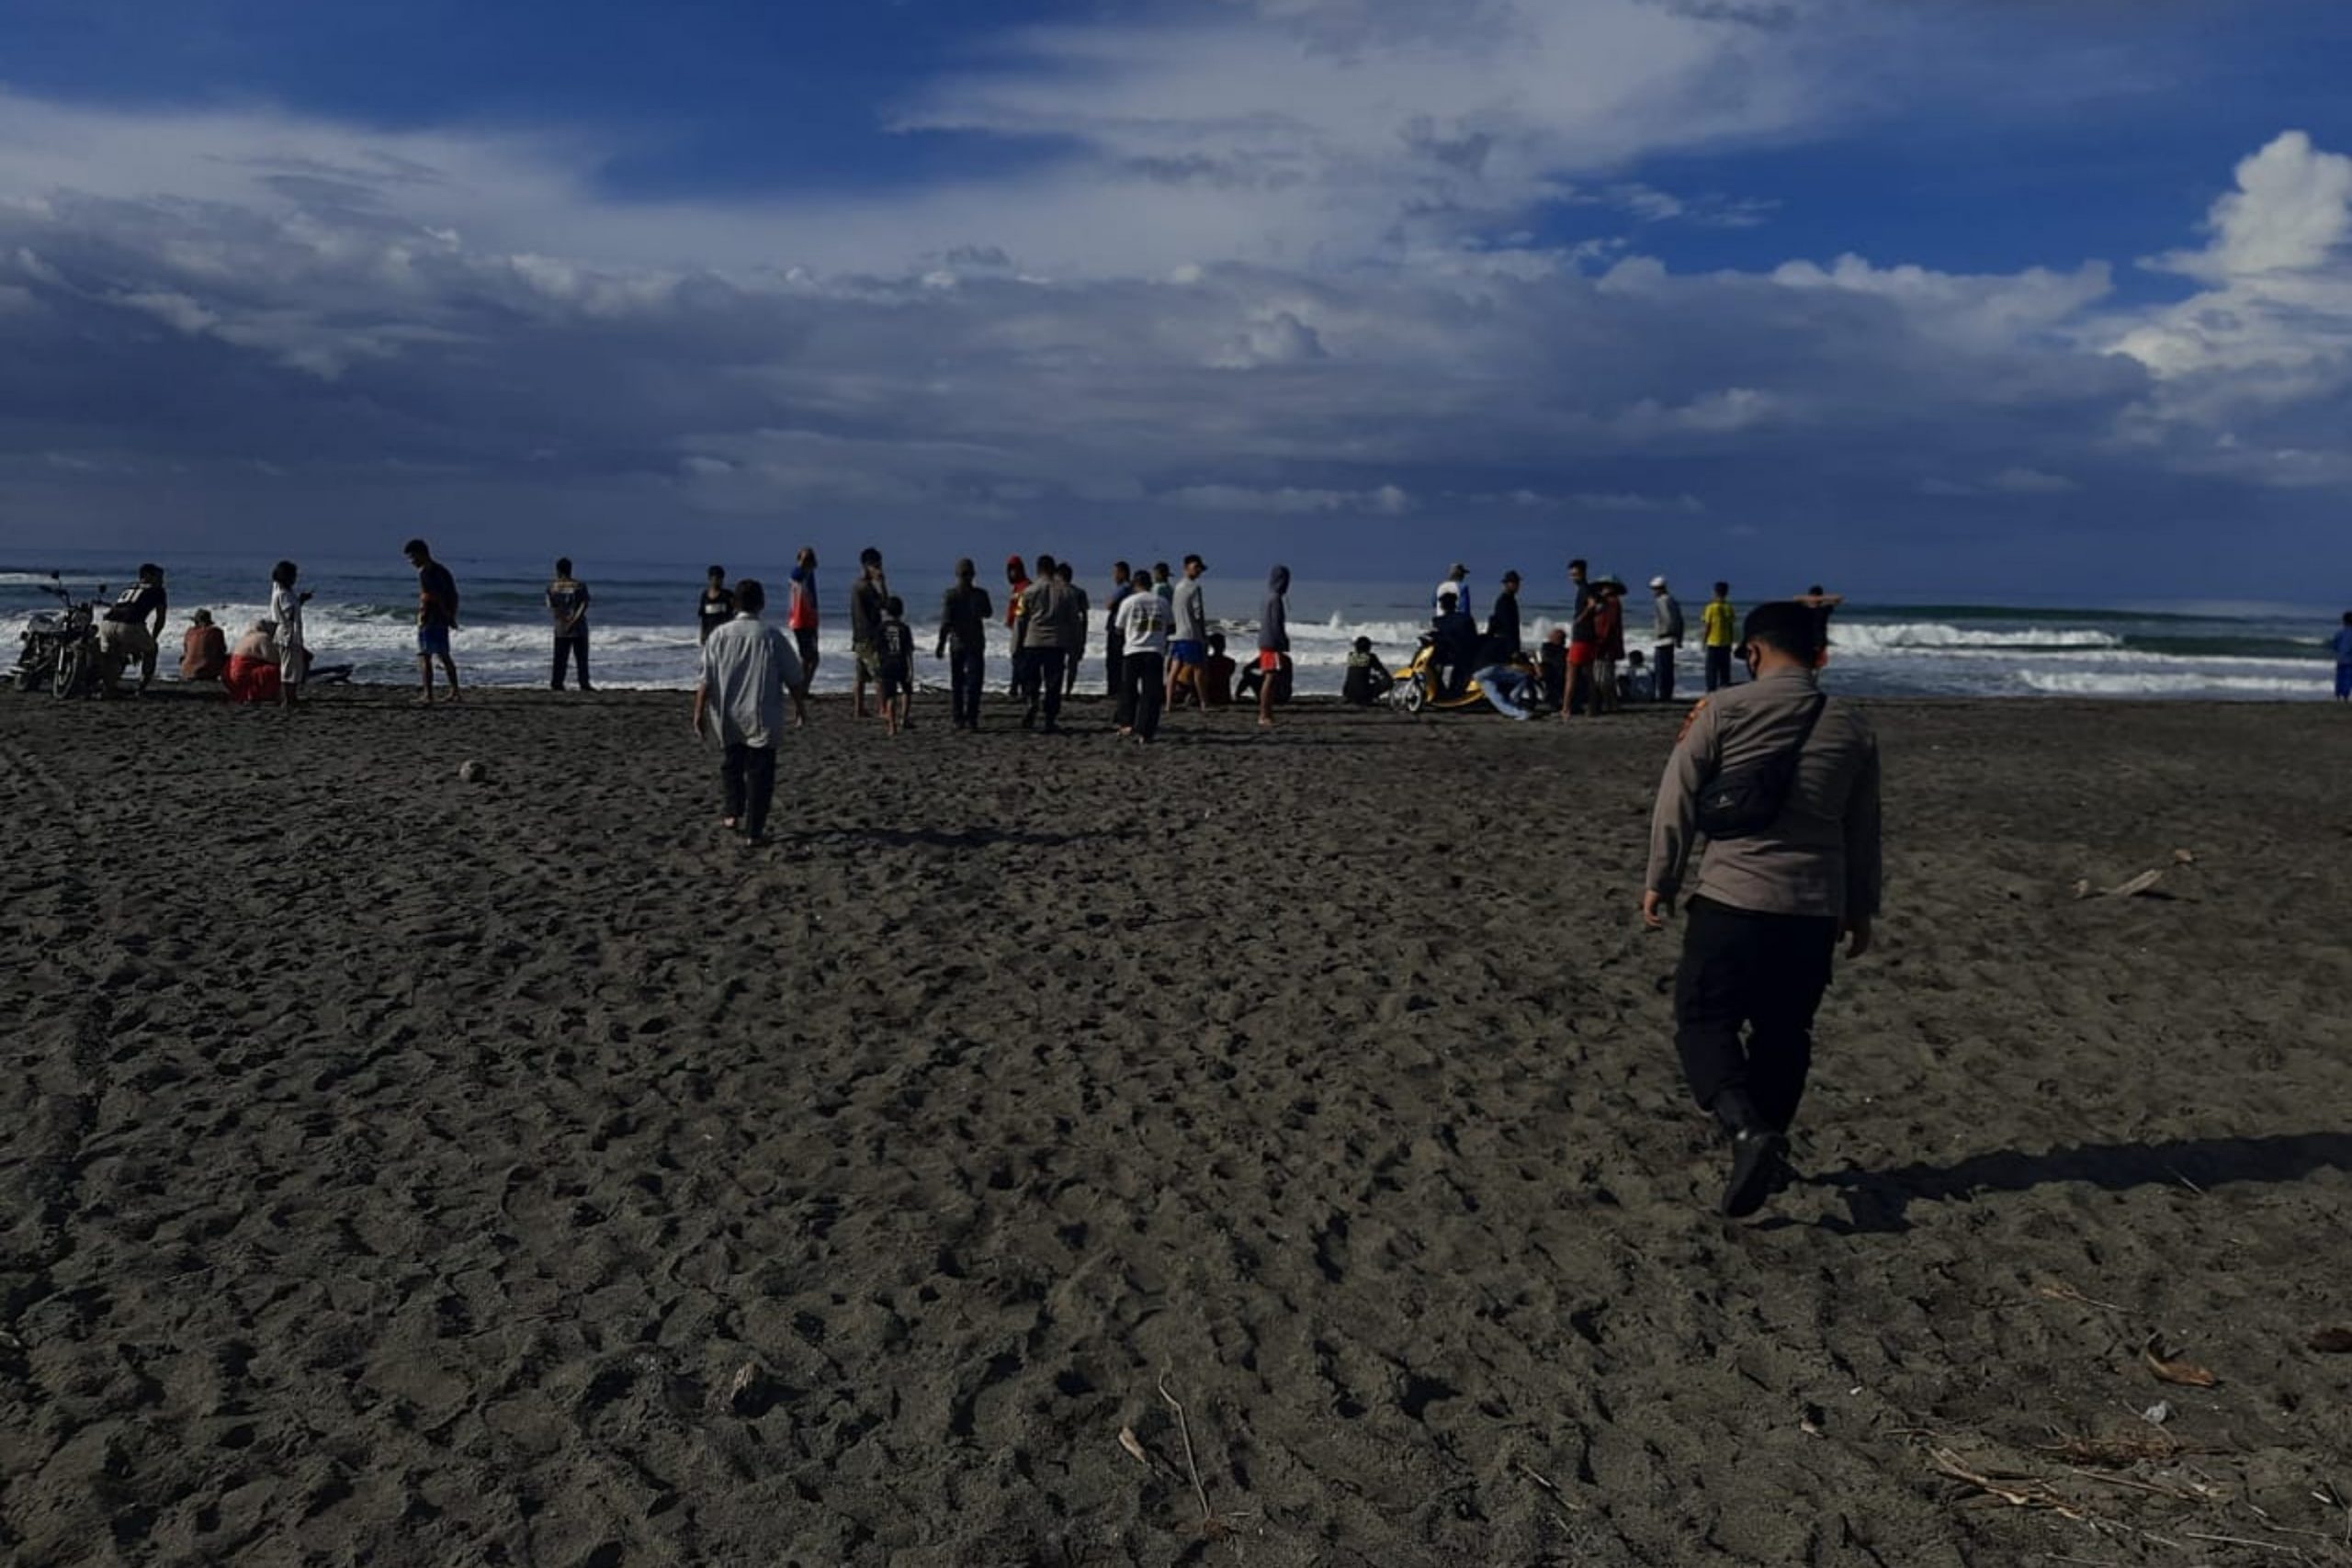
(1688, 719)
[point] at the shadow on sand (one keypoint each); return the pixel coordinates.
(1877, 1201)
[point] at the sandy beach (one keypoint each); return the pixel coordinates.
(402, 1170)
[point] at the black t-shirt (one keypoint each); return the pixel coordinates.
(137, 602)
(865, 611)
(965, 613)
(717, 609)
(894, 647)
(438, 589)
(1580, 625)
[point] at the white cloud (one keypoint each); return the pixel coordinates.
(2292, 211)
(2032, 481)
(2263, 352)
(1288, 501)
(1628, 501)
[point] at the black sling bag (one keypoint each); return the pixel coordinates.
(1749, 799)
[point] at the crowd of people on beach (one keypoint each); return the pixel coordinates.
(1161, 650)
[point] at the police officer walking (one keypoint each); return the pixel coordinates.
(1782, 780)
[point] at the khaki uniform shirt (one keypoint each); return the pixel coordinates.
(1822, 856)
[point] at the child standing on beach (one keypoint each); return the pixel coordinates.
(294, 650)
(893, 662)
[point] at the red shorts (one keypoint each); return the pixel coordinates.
(1579, 653)
(1269, 662)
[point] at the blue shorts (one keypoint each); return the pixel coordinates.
(432, 641)
(1185, 650)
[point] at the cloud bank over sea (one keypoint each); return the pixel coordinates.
(1322, 268)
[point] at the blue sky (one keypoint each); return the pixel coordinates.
(1916, 297)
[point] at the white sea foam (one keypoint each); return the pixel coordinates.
(2181, 683)
(1900, 638)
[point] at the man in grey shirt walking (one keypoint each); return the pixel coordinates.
(1771, 902)
(748, 667)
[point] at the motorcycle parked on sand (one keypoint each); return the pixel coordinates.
(59, 652)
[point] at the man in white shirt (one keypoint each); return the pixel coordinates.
(1143, 621)
(748, 668)
(1457, 582)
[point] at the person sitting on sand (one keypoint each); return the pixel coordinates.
(204, 649)
(251, 673)
(893, 662)
(1217, 675)
(748, 668)
(1553, 660)
(1782, 879)
(1637, 684)
(1367, 680)
(1510, 691)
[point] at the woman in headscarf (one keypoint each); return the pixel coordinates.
(204, 650)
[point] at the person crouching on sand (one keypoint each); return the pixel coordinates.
(204, 649)
(1784, 783)
(748, 668)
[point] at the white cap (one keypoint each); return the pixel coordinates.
(1658, 582)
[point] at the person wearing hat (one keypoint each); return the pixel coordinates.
(204, 650)
(1457, 582)
(1665, 635)
(1502, 623)
(1608, 643)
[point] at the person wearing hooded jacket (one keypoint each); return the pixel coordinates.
(1273, 643)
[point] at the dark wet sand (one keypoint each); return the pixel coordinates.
(404, 1171)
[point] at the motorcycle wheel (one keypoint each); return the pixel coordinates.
(1416, 695)
(72, 675)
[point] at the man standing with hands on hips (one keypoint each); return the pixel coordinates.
(1783, 783)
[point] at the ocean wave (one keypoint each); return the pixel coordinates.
(2177, 683)
(1879, 636)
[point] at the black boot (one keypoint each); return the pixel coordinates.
(1758, 1153)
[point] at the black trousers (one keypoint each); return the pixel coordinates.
(1143, 692)
(573, 648)
(1718, 668)
(1765, 974)
(968, 670)
(1049, 668)
(748, 772)
(1115, 648)
(1662, 661)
